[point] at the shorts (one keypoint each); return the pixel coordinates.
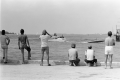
(91, 61)
(76, 62)
(109, 50)
(4, 46)
(45, 49)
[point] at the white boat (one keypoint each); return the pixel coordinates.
(58, 39)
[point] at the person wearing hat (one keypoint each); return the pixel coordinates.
(44, 46)
(109, 43)
(73, 56)
(23, 43)
(90, 57)
(5, 40)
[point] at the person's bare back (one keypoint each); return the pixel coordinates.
(109, 41)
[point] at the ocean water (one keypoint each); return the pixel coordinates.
(59, 50)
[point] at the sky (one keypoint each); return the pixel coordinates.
(60, 16)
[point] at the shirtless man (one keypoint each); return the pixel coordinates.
(109, 43)
(23, 43)
(4, 45)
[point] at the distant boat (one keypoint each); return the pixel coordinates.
(96, 41)
(117, 34)
(58, 39)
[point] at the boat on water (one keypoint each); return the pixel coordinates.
(95, 41)
(117, 35)
(58, 39)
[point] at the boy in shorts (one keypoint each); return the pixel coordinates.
(23, 43)
(109, 44)
(4, 45)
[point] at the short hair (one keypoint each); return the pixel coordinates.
(109, 33)
(73, 45)
(3, 32)
(89, 47)
(22, 31)
(44, 32)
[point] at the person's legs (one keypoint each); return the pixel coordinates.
(95, 62)
(29, 52)
(6, 55)
(110, 60)
(42, 52)
(76, 62)
(90, 63)
(86, 61)
(71, 62)
(47, 52)
(110, 56)
(106, 57)
(22, 51)
(3, 55)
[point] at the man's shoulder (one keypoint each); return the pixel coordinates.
(22, 36)
(46, 35)
(109, 38)
(106, 38)
(90, 50)
(4, 36)
(73, 49)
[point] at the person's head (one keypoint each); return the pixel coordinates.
(110, 33)
(73, 45)
(22, 31)
(3, 32)
(44, 32)
(89, 47)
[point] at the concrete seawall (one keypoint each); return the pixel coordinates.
(54, 62)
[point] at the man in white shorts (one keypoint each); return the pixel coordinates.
(109, 43)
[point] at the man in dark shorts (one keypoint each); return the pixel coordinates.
(23, 43)
(90, 57)
(73, 56)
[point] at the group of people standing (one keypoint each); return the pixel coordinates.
(23, 43)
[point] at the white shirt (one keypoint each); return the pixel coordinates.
(89, 53)
(44, 40)
(72, 53)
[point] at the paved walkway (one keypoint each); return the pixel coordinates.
(57, 72)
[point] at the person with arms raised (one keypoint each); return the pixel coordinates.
(44, 46)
